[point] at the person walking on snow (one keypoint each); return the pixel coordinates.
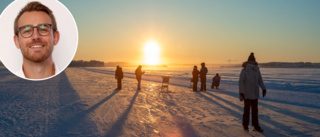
(249, 82)
(119, 77)
(138, 76)
(195, 78)
(203, 73)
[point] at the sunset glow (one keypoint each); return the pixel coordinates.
(213, 31)
(151, 52)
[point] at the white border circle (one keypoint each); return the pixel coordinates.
(63, 52)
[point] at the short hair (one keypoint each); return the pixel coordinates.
(35, 6)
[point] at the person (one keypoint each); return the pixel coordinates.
(138, 74)
(215, 81)
(203, 73)
(195, 77)
(249, 82)
(35, 34)
(119, 77)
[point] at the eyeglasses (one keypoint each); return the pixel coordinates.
(27, 31)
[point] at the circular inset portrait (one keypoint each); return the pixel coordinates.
(38, 39)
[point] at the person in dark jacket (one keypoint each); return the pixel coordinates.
(215, 81)
(119, 77)
(195, 78)
(203, 77)
(249, 82)
(138, 76)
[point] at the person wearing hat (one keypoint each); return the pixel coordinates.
(203, 76)
(249, 82)
(195, 78)
(119, 77)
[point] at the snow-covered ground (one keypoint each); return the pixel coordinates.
(84, 102)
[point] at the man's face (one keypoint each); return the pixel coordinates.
(36, 48)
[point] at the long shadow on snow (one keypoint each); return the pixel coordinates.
(184, 126)
(8, 93)
(17, 90)
(305, 118)
(13, 93)
(74, 116)
(117, 126)
(4, 71)
(279, 125)
(225, 92)
(239, 115)
(232, 112)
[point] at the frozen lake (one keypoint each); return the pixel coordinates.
(84, 102)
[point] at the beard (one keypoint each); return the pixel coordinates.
(37, 56)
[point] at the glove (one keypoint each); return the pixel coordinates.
(264, 92)
(241, 96)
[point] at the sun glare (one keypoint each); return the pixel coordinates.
(151, 52)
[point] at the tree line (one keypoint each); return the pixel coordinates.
(81, 63)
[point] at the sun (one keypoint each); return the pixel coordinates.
(151, 52)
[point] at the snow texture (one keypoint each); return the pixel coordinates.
(85, 102)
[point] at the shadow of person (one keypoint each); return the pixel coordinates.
(116, 128)
(73, 117)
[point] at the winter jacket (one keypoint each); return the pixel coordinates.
(249, 81)
(195, 75)
(138, 73)
(203, 72)
(216, 80)
(119, 73)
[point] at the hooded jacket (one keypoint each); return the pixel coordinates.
(138, 73)
(119, 73)
(195, 75)
(203, 72)
(249, 81)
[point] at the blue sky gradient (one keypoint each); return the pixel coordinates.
(197, 31)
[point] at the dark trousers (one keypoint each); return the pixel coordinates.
(253, 104)
(203, 84)
(139, 84)
(119, 83)
(195, 84)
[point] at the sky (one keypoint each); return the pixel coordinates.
(191, 32)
